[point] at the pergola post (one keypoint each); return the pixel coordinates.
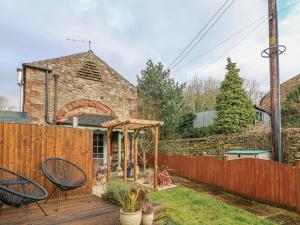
(125, 136)
(109, 133)
(134, 147)
(119, 151)
(137, 125)
(155, 133)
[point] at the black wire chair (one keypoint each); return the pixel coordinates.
(64, 174)
(18, 191)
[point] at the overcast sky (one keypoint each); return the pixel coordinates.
(126, 34)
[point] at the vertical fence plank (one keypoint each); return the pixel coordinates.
(297, 180)
(23, 147)
(255, 178)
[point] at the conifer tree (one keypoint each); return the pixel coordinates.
(235, 109)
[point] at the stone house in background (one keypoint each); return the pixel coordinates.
(81, 88)
(285, 88)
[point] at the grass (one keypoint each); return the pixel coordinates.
(188, 207)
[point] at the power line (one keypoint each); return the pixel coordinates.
(235, 34)
(194, 45)
(197, 35)
(222, 42)
(240, 40)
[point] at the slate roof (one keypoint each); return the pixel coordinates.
(92, 120)
(14, 117)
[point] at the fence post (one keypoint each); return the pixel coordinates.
(225, 175)
(297, 185)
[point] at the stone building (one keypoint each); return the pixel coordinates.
(285, 88)
(81, 88)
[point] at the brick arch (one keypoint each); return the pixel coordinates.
(75, 105)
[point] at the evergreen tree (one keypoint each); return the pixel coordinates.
(160, 97)
(235, 110)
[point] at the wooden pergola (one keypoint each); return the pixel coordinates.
(136, 125)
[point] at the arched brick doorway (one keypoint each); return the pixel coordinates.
(82, 106)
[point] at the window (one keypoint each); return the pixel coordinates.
(98, 145)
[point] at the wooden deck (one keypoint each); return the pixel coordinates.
(83, 210)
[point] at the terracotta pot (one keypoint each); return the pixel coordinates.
(147, 219)
(127, 218)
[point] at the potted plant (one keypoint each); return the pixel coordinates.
(130, 212)
(148, 213)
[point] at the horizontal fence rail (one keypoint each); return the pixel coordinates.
(258, 179)
(23, 147)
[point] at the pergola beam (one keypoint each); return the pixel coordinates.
(132, 123)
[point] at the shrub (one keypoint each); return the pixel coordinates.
(130, 202)
(115, 190)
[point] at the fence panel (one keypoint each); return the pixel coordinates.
(23, 147)
(258, 179)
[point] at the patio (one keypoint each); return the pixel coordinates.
(88, 210)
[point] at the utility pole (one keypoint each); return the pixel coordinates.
(273, 52)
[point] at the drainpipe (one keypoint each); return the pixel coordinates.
(55, 76)
(46, 71)
(21, 85)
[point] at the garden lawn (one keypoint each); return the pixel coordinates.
(188, 207)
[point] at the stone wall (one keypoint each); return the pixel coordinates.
(217, 144)
(101, 91)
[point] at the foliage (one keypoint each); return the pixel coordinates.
(235, 110)
(186, 130)
(160, 97)
(291, 109)
(198, 208)
(130, 201)
(201, 132)
(126, 195)
(200, 93)
(115, 190)
(185, 124)
(145, 145)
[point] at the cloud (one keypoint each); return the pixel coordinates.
(126, 34)
(247, 53)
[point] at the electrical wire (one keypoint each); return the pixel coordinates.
(218, 18)
(235, 34)
(197, 35)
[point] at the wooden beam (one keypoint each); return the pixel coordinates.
(125, 133)
(109, 133)
(155, 157)
(134, 147)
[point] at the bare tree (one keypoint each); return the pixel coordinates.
(145, 146)
(253, 90)
(200, 93)
(5, 105)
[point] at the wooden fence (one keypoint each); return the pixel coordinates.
(23, 147)
(258, 179)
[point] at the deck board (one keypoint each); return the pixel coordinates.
(83, 210)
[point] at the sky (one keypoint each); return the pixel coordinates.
(125, 34)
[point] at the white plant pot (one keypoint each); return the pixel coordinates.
(147, 219)
(130, 218)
